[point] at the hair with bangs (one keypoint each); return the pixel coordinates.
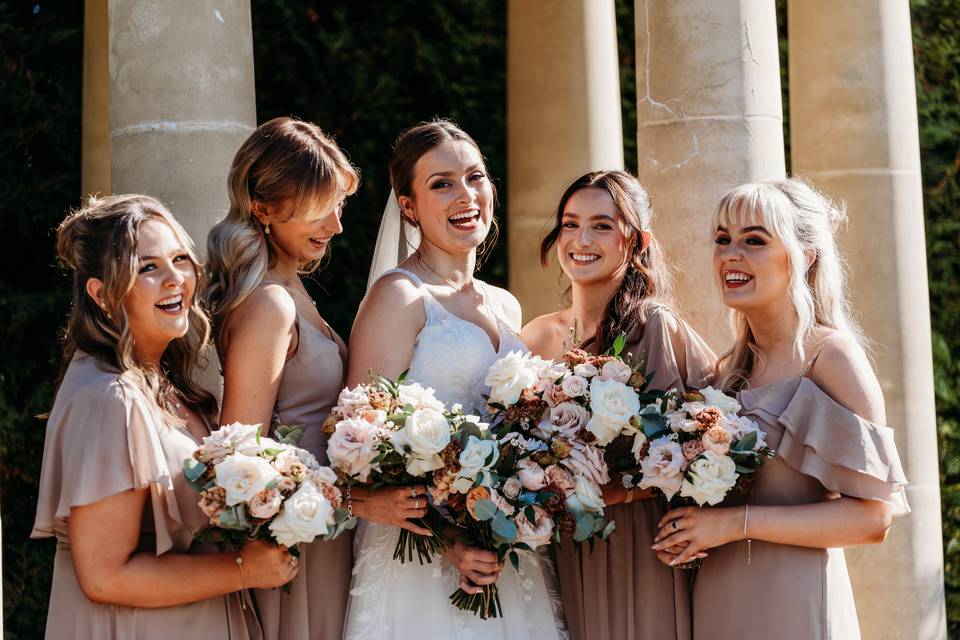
(646, 281)
(805, 221)
(283, 160)
(100, 241)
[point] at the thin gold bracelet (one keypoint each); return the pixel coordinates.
(746, 517)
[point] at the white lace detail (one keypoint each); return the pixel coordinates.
(393, 601)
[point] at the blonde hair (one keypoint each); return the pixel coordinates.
(805, 221)
(100, 241)
(283, 160)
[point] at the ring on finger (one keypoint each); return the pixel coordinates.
(413, 492)
(674, 525)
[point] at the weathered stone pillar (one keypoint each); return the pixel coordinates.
(95, 163)
(709, 118)
(563, 120)
(181, 102)
(854, 132)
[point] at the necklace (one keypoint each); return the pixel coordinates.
(445, 280)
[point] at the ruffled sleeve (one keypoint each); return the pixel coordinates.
(102, 439)
(652, 343)
(846, 453)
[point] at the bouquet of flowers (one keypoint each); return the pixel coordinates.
(525, 481)
(253, 487)
(392, 433)
(704, 450)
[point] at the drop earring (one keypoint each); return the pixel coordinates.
(266, 228)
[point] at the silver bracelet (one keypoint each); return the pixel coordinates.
(746, 516)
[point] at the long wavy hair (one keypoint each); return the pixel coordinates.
(412, 144)
(805, 221)
(99, 240)
(646, 281)
(283, 160)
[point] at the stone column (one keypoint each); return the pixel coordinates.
(563, 120)
(709, 118)
(181, 102)
(854, 133)
(95, 164)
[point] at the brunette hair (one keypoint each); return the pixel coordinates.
(100, 241)
(412, 144)
(646, 282)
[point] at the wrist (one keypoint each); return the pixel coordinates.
(735, 524)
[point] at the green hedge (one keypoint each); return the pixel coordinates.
(363, 71)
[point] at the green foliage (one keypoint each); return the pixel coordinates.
(936, 41)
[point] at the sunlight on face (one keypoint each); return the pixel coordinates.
(158, 304)
(751, 265)
(594, 242)
(452, 197)
(305, 236)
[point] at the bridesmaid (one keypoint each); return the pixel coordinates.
(619, 284)
(282, 363)
(126, 415)
(799, 370)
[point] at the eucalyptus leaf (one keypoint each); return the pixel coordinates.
(503, 527)
(485, 509)
(584, 529)
(514, 560)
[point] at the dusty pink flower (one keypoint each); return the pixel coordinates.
(691, 449)
(265, 504)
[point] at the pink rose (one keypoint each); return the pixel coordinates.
(560, 478)
(536, 533)
(568, 418)
(265, 504)
(616, 370)
(531, 475)
(716, 439)
(353, 447)
(691, 449)
(554, 395)
(512, 487)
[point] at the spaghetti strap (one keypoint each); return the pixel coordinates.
(410, 274)
(813, 358)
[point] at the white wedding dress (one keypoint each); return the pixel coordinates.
(393, 601)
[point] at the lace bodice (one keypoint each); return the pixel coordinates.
(453, 355)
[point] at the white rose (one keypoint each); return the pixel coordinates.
(352, 402)
(425, 432)
(508, 377)
(352, 447)
(586, 370)
(305, 515)
(613, 404)
(531, 475)
(680, 421)
(537, 533)
(574, 386)
(225, 440)
(243, 476)
(720, 400)
(616, 370)
(663, 466)
(586, 496)
(547, 369)
(419, 396)
(709, 478)
(473, 461)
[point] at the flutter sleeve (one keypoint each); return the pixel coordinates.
(103, 440)
(846, 453)
(663, 342)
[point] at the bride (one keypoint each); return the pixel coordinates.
(431, 316)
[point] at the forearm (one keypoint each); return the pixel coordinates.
(844, 522)
(615, 493)
(148, 581)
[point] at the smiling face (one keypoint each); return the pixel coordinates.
(303, 236)
(594, 243)
(751, 264)
(157, 305)
(452, 197)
